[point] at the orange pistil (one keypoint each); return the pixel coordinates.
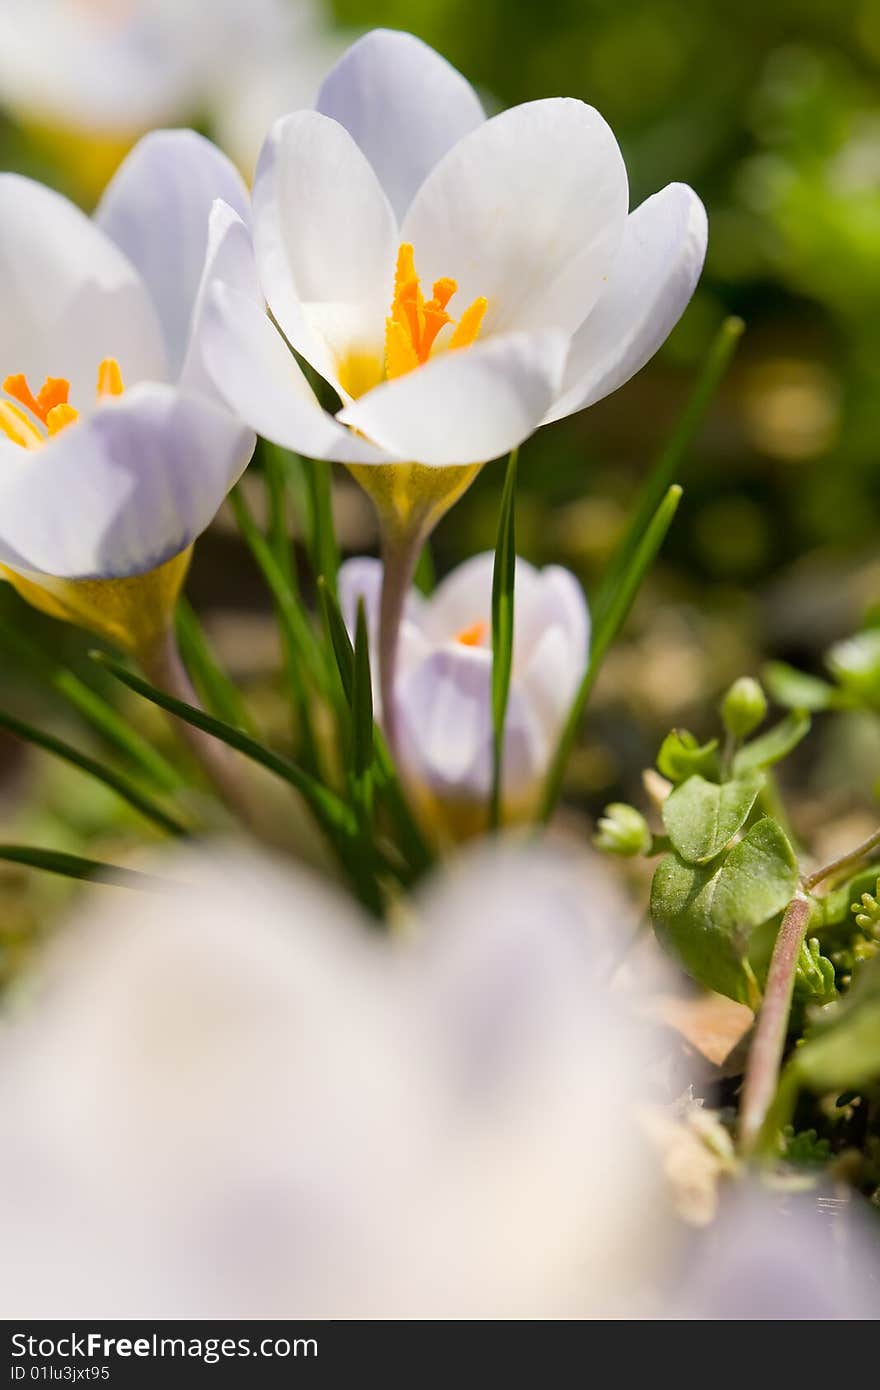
(413, 324)
(473, 636)
(49, 406)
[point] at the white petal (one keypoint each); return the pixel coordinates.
(326, 241)
(257, 375)
(528, 210)
(69, 296)
(156, 209)
(465, 406)
(361, 578)
(461, 599)
(651, 282)
(445, 728)
(125, 489)
(229, 260)
(551, 643)
(404, 105)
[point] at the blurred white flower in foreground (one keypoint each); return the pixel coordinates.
(546, 294)
(115, 452)
(240, 1102)
(444, 683)
(113, 69)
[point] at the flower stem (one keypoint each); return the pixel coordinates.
(768, 1044)
(400, 554)
(162, 665)
(845, 861)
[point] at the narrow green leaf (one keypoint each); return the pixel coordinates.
(93, 707)
(279, 539)
(503, 582)
(702, 817)
(362, 698)
(603, 636)
(325, 551)
(773, 746)
(330, 812)
(669, 463)
(72, 866)
(412, 842)
(290, 610)
(220, 694)
(337, 632)
(119, 783)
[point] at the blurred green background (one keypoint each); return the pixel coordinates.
(772, 112)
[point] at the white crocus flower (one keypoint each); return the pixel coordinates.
(115, 452)
(244, 1103)
(456, 281)
(97, 74)
(444, 678)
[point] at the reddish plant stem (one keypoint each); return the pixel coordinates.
(768, 1044)
(400, 556)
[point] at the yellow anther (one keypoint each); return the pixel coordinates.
(17, 427)
(467, 329)
(60, 416)
(110, 378)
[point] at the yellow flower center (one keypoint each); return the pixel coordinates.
(474, 635)
(411, 329)
(49, 408)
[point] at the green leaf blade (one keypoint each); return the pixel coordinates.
(503, 584)
(701, 818)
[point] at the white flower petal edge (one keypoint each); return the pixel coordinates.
(528, 210)
(650, 285)
(403, 104)
(70, 297)
(229, 260)
(123, 490)
(325, 239)
(258, 376)
(156, 210)
(465, 406)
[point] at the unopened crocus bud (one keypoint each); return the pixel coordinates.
(623, 830)
(743, 707)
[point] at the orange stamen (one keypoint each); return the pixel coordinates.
(473, 636)
(412, 327)
(49, 406)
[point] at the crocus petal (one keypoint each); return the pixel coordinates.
(464, 406)
(404, 105)
(552, 644)
(461, 599)
(125, 489)
(445, 728)
(70, 297)
(326, 241)
(156, 209)
(258, 377)
(649, 287)
(361, 578)
(229, 260)
(529, 211)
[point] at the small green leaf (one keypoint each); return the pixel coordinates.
(681, 756)
(706, 915)
(842, 1049)
(795, 689)
(855, 663)
(702, 817)
(773, 746)
(503, 579)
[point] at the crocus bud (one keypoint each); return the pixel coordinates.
(623, 830)
(743, 707)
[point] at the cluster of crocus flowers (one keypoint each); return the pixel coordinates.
(115, 450)
(443, 685)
